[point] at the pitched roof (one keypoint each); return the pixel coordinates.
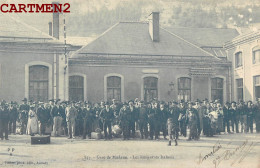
(211, 37)
(13, 28)
(133, 38)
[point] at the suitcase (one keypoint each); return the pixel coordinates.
(95, 135)
(40, 140)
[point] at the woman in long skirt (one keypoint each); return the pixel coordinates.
(32, 125)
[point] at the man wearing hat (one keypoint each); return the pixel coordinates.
(107, 116)
(226, 117)
(13, 117)
(43, 117)
(182, 118)
(133, 112)
(125, 118)
(143, 120)
(56, 117)
(23, 115)
(88, 117)
(250, 116)
(71, 115)
(173, 123)
(192, 120)
(241, 107)
(234, 116)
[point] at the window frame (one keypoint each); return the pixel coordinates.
(217, 88)
(113, 88)
(82, 87)
(36, 92)
(150, 88)
(180, 96)
(238, 59)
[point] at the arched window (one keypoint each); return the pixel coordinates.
(76, 88)
(238, 59)
(184, 89)
(217, 89)
(256, 55)
(150, 88)
(113, 88)
(38, 82)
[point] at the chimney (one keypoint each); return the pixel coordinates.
(154, 26)
(56, 23)
(50, 28)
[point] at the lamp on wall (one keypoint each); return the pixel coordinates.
(171, 84)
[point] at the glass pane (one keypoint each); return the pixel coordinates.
(257, 92)
(114, 82)
(184, 83)
(150, 82)
(257, 80)
(38, 72)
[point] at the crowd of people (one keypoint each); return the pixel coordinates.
(127, 120)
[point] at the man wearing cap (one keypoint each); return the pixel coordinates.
(13, 117)
(143, 120)
(23, 115)
(106, 117)
(199, 110)
(71, 114)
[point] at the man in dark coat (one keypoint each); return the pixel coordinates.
(257, 116)
(182, 119)
(88, 117)
(234, 113)
(250, 110)
(125, 119)
(56, 117)
(23, 115)
(107, 116)
(151, 119)
(226, 116)
(192, 120)
(162, 119)
(13, 112)
(143, 120)
(173, 123)
(43, 117)
(133, 112)
(4, 118)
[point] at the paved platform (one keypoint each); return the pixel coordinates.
(223, 151)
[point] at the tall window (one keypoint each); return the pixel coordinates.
(217, 89)
(76, 88)
(38, 83)
(184, 89)
(238, 58)
(239, 89)
(150, 88)
(257, 86)
(113, 88)
(256, 55)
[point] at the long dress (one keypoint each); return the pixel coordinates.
(32, 126)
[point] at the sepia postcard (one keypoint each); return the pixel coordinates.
(130, 83)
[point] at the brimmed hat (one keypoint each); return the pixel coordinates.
(25, 99)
